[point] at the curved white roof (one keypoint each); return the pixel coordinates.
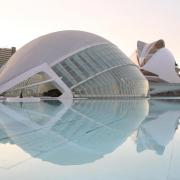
(157, 59)
(162, 63)
(48, 48)
(145, 51)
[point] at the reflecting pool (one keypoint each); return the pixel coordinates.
(90, 140)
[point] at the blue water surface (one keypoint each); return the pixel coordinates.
(90, 140)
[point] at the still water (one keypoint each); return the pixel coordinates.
(90, 140)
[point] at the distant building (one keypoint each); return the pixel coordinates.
(159, 66)
(5, 54)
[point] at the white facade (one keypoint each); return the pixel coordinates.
(157, 59)
(77, 63)
(159, 67)
(162, 63)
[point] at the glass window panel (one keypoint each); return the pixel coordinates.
(118, 79)
(84, 57)
(71, 71)
(75, 59)
(111, 83)
(66, 77)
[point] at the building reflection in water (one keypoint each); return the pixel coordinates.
(87, 130)
(159, 127)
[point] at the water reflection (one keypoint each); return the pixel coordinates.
(159, 127)
(87, 130)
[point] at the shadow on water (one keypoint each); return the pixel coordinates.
(89, 129)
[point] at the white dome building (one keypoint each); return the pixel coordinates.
(158, 65)
(77, 63)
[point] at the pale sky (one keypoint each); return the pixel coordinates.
(123, 22)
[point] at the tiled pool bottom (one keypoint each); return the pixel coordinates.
(90, 140)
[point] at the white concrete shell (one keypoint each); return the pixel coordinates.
(69, 59)
(162, 63)
(157, 59)
(48, 49)
(42, 53)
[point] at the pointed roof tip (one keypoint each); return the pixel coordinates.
(155, 45)
(141, 43)
(160, 43)
(140, 47)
